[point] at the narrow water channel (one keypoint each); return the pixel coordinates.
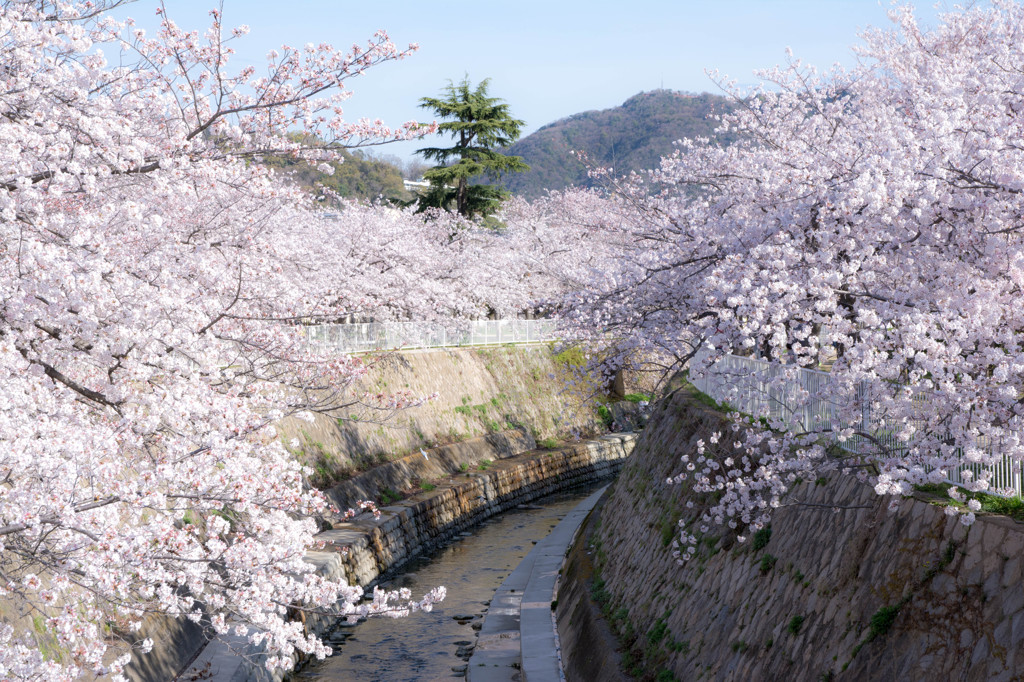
(436, 645)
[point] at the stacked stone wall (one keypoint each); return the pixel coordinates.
(420, 524)
(364, 549)
(842, 591)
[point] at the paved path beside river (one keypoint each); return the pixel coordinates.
(518, 640)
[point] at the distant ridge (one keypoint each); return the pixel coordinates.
(630, 137)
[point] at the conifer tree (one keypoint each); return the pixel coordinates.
(480, 125)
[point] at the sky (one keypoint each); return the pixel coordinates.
(547, 58)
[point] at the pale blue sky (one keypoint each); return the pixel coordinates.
(548, 59)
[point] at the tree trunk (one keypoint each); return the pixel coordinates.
(461, 203)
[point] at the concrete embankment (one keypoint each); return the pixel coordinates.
(840, 589)
(485, 476)
(478, 391)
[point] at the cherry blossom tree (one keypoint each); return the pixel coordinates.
(559, 244)
(396, 264)
(866, 221)
(152, 275)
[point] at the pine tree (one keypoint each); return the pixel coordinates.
(480, 125)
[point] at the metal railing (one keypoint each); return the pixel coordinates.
(799, 397)
(374, 336)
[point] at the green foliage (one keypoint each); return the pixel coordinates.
(669, 528)
(948, 555)
(480, 125)
(1007, 506)
(680, 647)
(767, 563)
(933, 488)
(463, 467)
(606, 416)
(427, 486)
(485, 464)
(882, 620)
(708, 401)
(761, 538)
(665, 676)
(387, 496)
(630, 663)
(598, 592)
(795, 623)
(548, 443)
(637, 398)
(357, 176)
(657, 633)
(991, 504)
(739, 646)
(571, 357)
(631, 137)
(479, 411)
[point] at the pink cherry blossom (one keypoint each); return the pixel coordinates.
(865, 221)
(153, 286)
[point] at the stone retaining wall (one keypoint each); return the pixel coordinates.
(420, 523)
(589, 648)
(850, 592)
(429, 466)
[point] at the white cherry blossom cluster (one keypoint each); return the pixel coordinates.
(865, 222)
(154, 287)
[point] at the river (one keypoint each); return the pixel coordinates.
(436, 645)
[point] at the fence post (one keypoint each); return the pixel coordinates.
(865, 407)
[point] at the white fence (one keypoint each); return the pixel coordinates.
(372, 336)
(798, 396)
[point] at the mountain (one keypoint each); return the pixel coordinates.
(631, 137)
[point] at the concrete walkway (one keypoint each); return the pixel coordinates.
(517, 640)
(223, 659)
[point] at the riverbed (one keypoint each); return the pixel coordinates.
(436, 645)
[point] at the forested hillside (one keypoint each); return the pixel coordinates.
(630, 137)
(358, 176)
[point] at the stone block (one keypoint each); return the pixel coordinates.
(1001, 635)
(1012, 570)
(1013, 601)
(966, 638)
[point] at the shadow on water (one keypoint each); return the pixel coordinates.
(436, 645)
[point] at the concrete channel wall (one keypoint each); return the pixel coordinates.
(473, 491)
